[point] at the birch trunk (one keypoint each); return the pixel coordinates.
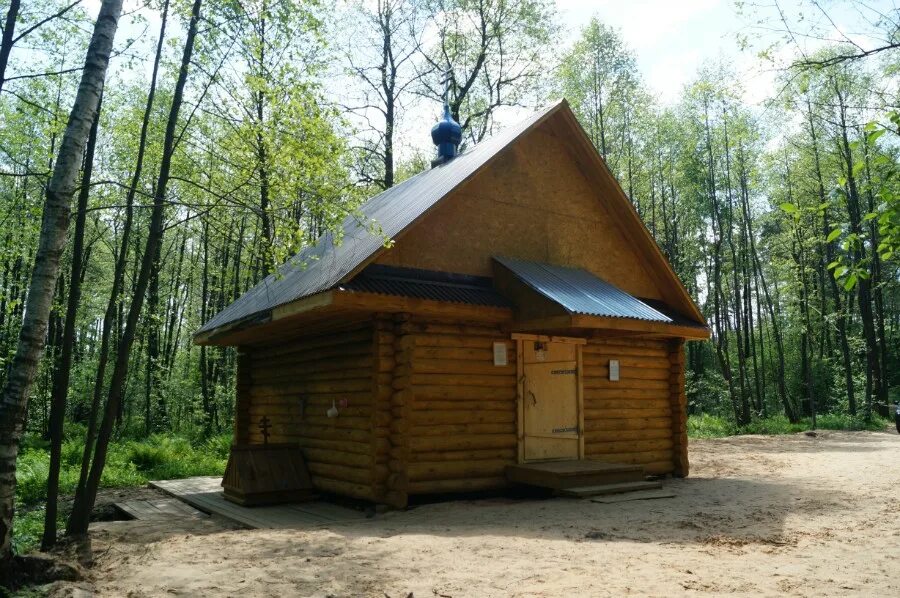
(55, 224)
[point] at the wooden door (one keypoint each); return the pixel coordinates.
(550, 401)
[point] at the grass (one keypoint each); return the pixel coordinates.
(713, 426)
(128, 463)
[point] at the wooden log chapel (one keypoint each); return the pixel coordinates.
(503, 309)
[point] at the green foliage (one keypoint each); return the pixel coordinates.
(130, 463)
(705, 425)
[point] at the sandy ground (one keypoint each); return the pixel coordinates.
(789, 515)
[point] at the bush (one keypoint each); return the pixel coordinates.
(709, 426)
(712, 426)
(128, 463)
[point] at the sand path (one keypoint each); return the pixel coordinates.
(788, 515)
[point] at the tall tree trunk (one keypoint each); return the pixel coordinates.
(875, 282)
(858, 252)
(744, 404)
(60, 391)
(151, 374)
(112, 316)
(6, 44)
(829, 257)
(78, 521)
(60, 189)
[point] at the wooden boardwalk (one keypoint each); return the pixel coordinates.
(160, 508)
(205, 494)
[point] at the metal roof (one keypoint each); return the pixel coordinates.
(325, 264)
(580, 292)
(426, 284)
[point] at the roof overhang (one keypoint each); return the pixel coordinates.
(557, 299)
(331, 310)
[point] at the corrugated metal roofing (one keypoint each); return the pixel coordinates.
(322, 266)
(580, 292)
(426, 284)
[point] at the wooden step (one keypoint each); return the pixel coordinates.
(602, 489)
(558, 475)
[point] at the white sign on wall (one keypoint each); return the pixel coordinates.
(500, 357)
(614, 370)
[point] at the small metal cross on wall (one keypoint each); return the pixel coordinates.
(264, 425)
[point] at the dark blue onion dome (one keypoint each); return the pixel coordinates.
(446, 135)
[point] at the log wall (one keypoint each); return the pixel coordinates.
(458, 413)
(427, 411)
(295, 383)
(631, 420)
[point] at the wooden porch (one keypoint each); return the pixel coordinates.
(581, 478)
(205, 494)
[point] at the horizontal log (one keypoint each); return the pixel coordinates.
(660, 403)
(298, 434)
(344, 446)
(659, 467)
(636, 423)
(474, 415)
(635, 356)
(336, 457)
(630, 458)
(386, 364)
(632, 342)
(458, 367)
(267, 393)
(313, 419)
(420, 404)
(440, 429)
(476, 342)
(342, 487)
(625, 393)
(451, 329)
(316, 357)
(590, 414)
(475, 455)
(591, 436)
(461, 442)
(460, 485)
(465, 392)
(626, 361)
(302, 387)
(626, 374)
(287, 376)
(295, 410)
(450, 470)
(591, 382)
(356, 335)
(358, 475)
(483, 354)
(628, 446)
(505, 381)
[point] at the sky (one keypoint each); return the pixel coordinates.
(671, 38)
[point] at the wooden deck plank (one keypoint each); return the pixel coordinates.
(164, 508)
(205, 494)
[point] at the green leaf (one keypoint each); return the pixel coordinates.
(850, 282)
(788, 207)
(840, 271)
(833, 235)
(869, 216)
(833, 264)
(874, 135)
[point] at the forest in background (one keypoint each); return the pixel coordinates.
(232, 134)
